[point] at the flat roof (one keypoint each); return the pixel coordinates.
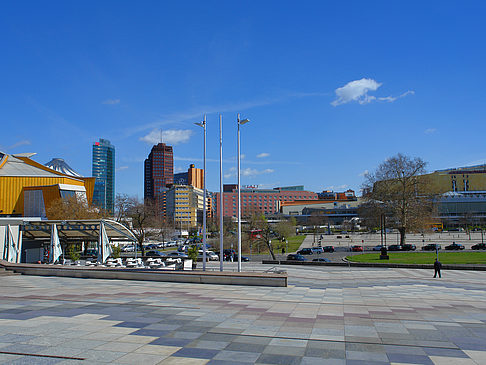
(77, 230)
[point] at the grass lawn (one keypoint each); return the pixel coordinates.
(295, 242)
(423, 257)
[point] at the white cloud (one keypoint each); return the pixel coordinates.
(356, 90)
(364, 173)
(263, 155)
(254, 172)
(171, 136)
(111, 101)
(230, 173)
(337, 187)
(430, 131)
(248, 172)
(121, 168)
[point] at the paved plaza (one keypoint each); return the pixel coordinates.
(327, 315)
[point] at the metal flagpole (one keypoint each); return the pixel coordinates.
(221, 248)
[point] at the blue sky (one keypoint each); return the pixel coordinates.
(331, 88)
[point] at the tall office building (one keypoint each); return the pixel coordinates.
(193, 177)
(103, 168)
(159, 172)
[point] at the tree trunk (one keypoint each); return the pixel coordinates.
(270, 250)
(402, 235)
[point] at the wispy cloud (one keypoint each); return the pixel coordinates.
(364, 173)
(430, 131)
(121, 168)
(170, 136)
(23, 142)
(247, 172)
(198, 113)
(358, 90)
(111, 102)
(263, 155)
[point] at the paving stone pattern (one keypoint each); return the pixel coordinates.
(325, 316)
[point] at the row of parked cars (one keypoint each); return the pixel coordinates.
(299, 257)
(315, 250)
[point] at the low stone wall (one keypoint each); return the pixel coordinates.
(365, 264)
(207, 277)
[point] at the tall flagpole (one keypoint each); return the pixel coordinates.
(205, 201)
(221, 200)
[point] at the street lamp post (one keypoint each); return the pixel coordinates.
(240, 122)
(221, 248)
(203, 125)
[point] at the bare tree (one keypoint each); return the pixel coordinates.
(399, 189)
(164, 226)
(73, 208)
(286, 228)
(142, 215)
(260, 223)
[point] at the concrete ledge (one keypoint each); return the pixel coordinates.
(364, 264)
(207, 277)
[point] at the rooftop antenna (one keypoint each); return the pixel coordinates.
(160, 135)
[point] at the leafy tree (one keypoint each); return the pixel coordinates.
(398, 189)
(193, 253)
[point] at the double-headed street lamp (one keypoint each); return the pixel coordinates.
(203, 125)
(240, 122)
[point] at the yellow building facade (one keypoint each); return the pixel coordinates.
(185, 204)
(27, 186)
(456, 180)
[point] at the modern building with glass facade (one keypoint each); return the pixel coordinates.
(103, 169)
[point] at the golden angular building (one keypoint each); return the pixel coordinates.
(27, 188)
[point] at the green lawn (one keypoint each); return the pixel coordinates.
(295, 242)
(423, 257)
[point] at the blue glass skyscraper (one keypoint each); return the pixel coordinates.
(103, 168)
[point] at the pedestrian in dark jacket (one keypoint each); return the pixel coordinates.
(437, 267)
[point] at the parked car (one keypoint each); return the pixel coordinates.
(455, 246)
(176, 254)
(395, 248)
(409, 247)
(479, 246)
(92, 252)
(377, 248)
(431, 247)
(357, 248)
(128, 248)
(305, 251)
(321, 259)
(317, 250)
(227, 253)
(155, 253)
(295, 257)
(328, 248)
(210, 255)
(151, 246)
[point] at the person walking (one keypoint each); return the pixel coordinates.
(437, 267)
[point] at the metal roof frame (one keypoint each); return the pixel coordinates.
(76, 230)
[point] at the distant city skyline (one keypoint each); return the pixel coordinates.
(331, 89)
